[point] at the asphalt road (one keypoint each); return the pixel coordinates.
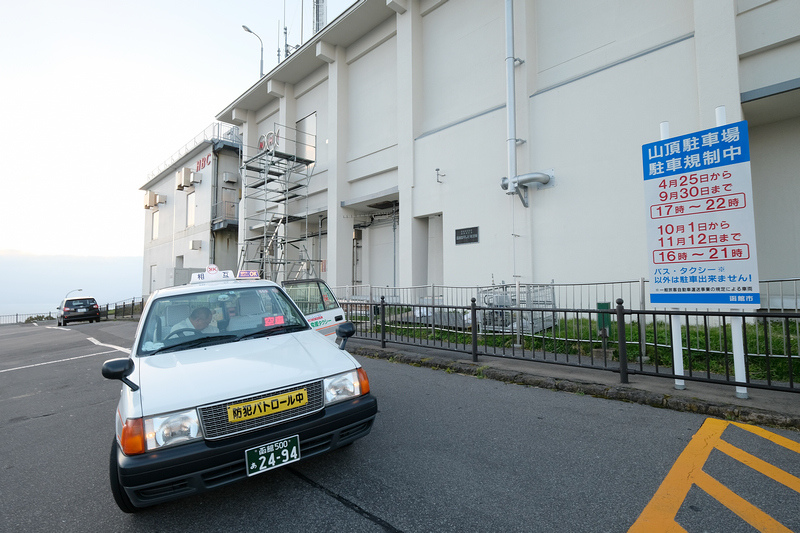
(447, 453)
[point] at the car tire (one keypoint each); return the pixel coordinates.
(123, 502)
(58, 322)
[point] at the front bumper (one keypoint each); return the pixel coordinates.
(172, 473)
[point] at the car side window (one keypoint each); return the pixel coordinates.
(328, 299)
(307, 297)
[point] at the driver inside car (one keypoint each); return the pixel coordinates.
(199, 320)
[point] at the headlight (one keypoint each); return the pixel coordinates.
(171, 429)
(342, 387)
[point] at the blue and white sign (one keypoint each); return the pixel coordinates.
(700, 224)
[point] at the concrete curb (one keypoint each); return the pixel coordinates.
(485, 369)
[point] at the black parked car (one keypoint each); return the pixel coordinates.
(78, 308)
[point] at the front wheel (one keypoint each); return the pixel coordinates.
(123, 502)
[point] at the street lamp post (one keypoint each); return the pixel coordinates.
(248, 30)
(73, 290)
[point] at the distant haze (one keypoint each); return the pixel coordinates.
(36, 284)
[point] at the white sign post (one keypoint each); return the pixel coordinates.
(700, 227)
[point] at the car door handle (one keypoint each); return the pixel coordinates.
(338, 318)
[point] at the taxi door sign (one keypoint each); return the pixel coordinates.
(700, 225)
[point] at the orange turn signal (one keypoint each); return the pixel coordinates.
(132, 438)
(363, 381)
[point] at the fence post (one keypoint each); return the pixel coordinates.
(642, 324)
(474, 318)
(737, 341)
(433, 311)
(383, 321)
(623, 349)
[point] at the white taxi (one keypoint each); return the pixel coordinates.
(227, 379)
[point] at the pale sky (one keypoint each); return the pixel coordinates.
(95, 95)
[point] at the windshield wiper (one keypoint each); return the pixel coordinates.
(196, 342)
(272, 331)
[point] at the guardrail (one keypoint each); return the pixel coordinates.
(215, 131)
(619, 340)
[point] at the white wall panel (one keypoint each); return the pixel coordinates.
(463, 53)
(775, 165)
(591, 225)
(372, 101)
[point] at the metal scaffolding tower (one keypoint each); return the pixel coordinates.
(275, 206)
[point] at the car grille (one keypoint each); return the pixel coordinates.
(215, 417)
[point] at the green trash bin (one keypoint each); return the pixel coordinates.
(604, 319)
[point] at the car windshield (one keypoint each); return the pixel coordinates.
(217, 316)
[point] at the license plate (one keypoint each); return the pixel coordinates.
(272, 455)
(81, 309)
(266, 406)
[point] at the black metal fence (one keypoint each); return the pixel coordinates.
(756, 349)
(21, 318)
(125, 309)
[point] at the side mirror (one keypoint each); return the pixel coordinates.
(345, 331)
(120, 369)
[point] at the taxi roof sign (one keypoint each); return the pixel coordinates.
(248, 274)
(212, 273)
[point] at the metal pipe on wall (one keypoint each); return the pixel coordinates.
(514, 182)
(511, 119)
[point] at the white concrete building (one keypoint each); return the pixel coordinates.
(191, 203)
(396, 119)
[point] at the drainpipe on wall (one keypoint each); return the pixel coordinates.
(515, 184)
(212, 242)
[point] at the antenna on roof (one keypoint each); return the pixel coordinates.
(320, 14)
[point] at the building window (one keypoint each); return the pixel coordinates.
(307, 137)
(154, 229)
(190, 208)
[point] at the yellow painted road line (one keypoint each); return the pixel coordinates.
(781, 476)
(770, 436)
(738, 505)
(660, 513)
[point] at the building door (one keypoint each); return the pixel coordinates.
(153, 285)
(230, 199)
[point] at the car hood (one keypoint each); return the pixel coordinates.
(189, 378)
